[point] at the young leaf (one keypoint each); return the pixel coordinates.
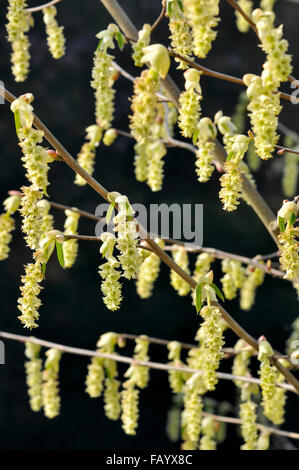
(229, 156)
(198, 291)
(59, 252)
(44, 265)
(281, 224)
(17, 121)
(195, 136)
(120, 40)
(100, 43)
(218, 291)
(169, 7)
(292, 219)
(110, 212)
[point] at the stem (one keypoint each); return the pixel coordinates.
(41, 7)
(160, 17)
(130, 360)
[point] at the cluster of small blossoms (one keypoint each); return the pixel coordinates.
(47, 219)
(86, 157)
(111, 287)
(31, 214)
(144, 36)
(242, 24)
(189, 103)
(17, 27)
(176, 378)
(233, 278)
(95, 380)
(33, 368)
(273, 399)
(192, 412)
(202, 16)
(180, 257)
(267, 5)
(241, 361)
(70, 247)
(294, 337)
(211, 340)
(263, 441)
(278, 62)
(50, 387)
(180, 32)
(231, 180)
(127, 236)
(148, 273)
(29, 301)
(289, 246)
(202, 265)
(206, 132)
(207, 441)
(254, 278)
(55, 36)
(264, 108)
(103, 76)
(7, 224)
(249, 428)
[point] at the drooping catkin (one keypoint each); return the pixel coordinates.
(129, 406)
(189, 103)
(110, 286)
(202, 265)
(180, 256)
(7, 224)
(17, 27)
(33, 368)
(180, 33)
(191, 415)
(50, 387)
(86, 156)
(148, 273)
(208, 441)
(249, 428)
(241, 361)
(31, 215)
(203, 18)
(207, 132)
(70, 247)
(95, 377)
(242, 24)
(29, 302)
(143, 40)
(254, 278)
(47, 220)
(175, 377)
(289, 246)
(290, 174)
(55, 36)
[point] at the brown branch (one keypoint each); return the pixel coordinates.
(41, 7)
(160, 17)
(282, 150)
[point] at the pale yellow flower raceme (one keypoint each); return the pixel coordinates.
(254, 278)
(33, 368)
(148, 273)
(70, 247)
(189, 103)
(180, 33)
(289, 248)
(7, 224)
(55, 36)
(180, 256)
(111, 287)
(143, 40)
(86, 156)
(50, 387)
(249, 428)
(17, 27)
(242, 24)
(29, 302)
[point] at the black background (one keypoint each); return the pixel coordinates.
(72, 311)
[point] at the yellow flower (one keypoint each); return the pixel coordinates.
(31, 215)
(70, 247)
(51, 398)
(129, 405)
(180, 257)
(242, 24)
(207, 442)
(143, 41)
(7, 225)
(33, 369)
(55, 36)
(254, 278)
(29, 302)
(148, 273)
(248, 426)
(189, 103)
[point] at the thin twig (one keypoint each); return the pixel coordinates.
(282, 150)
(160, 17)
(41, 7)
(131, 360)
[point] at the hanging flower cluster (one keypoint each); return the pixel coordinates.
(233, 278)
(137, 376)
(289, 248)
(7, 224)
(254, 278)
(111, 287)
(47, 220)
(144, 36)
(189, 103)
(242, 361)
(50, 387)
(191, 415)
(86, 157)
(17, 27)
(70, 247)
(290, 173)
(249, 428)
(180, 256)
(206, 132)
(202, 16)
(207, 441)
(33, 368)
(148, 273)
(180, 32)
(55, 36)
(202, 265)
(176, 378)
(242, 24)
(231, 181)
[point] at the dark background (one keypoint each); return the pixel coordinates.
(72, 311)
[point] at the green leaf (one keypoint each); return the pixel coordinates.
(120, 40)
(110, 212)
(195, 136)
(292, 219)
(218, 291)
(100, 43)
(59, 252)
(211, 129)
(229, 156)
(198, 291)
(17, 121)
(281, 224)
(169, 7)
(44, 265)
(180, 4)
